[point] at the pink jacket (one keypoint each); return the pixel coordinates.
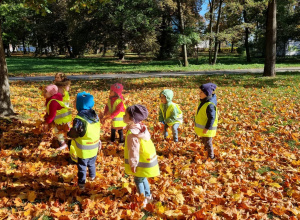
(139, 131)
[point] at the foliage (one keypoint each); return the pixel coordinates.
(255, 175)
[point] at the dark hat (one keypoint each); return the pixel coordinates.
(208, 88)
(137, 113)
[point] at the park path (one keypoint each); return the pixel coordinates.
(154, 74)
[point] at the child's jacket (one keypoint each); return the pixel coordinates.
(116, 108)
(206, 117)
(170, 113)
(139, 152)
(85, 135)
(57, 111)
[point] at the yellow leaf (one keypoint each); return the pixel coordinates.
(236, 196)
(160, 208)
(27, 212)
(179, 199)
(213, 180)
(169, 170)
(31, 196)
(124, 185)
(276, 185)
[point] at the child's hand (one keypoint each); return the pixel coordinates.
(133, 169)
(162, 122)
(100, 146)
(205, 131)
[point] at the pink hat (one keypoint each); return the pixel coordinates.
(52, 89)
(117, 88)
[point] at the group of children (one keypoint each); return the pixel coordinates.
(140, 157)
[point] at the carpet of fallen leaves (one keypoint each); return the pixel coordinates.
(256, 173)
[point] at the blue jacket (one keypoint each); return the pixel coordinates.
(210, 111)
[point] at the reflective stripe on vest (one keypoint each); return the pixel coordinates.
(117, 119)
(203, 127)
(145, 165)
(169, 111)
(62, 115)
(87, 147)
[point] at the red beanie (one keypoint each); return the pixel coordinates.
(117, 88)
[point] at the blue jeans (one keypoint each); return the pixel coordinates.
(142, 186)
(82, 164)
(174, 131)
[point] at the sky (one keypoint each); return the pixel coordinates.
(204, 8)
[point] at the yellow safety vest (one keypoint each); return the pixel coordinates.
(148, 164)
(201, 120)
(66, 98)
(117, 121)
(169, 111)
(86, 146)
(63, 116)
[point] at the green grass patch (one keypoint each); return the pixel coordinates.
(44, 66)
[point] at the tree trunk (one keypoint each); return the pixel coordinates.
(247, 38)
(181, 28)
(104, 49)
(270, 58)
(6, 108)
(69, 49)
(217, 32)
(232, 47)
(24, 46)
(211, 12)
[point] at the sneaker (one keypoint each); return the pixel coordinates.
(81, 186)
(62, 147)
(92, 178)
(149, 199)
(145, 203)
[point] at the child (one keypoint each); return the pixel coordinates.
(63, 85)
(58, 113)
(139, 151)
(85, 135)
(206, 119)
(169, 113)
(115, 109)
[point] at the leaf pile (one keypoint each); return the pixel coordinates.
(255, 175)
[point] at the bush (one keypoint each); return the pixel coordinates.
(241, 51)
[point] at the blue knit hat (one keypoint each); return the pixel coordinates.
(84, 101)
(208, 88)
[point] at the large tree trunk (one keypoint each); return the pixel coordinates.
(217, 32)
(270, 58)
(211, 13)
(181, 28)
(247, 37)
(6, 107)
(24, 46)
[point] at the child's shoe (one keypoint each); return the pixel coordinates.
(149, 199)
(145, 203)
(81, 186)
(92, 178)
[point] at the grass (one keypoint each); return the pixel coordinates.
(31, 66)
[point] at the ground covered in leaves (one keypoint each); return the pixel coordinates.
(255, 174)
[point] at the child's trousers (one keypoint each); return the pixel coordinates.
(174, 131)
(207, 141)
(142, 186)
(82, 164)
(113, 135)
